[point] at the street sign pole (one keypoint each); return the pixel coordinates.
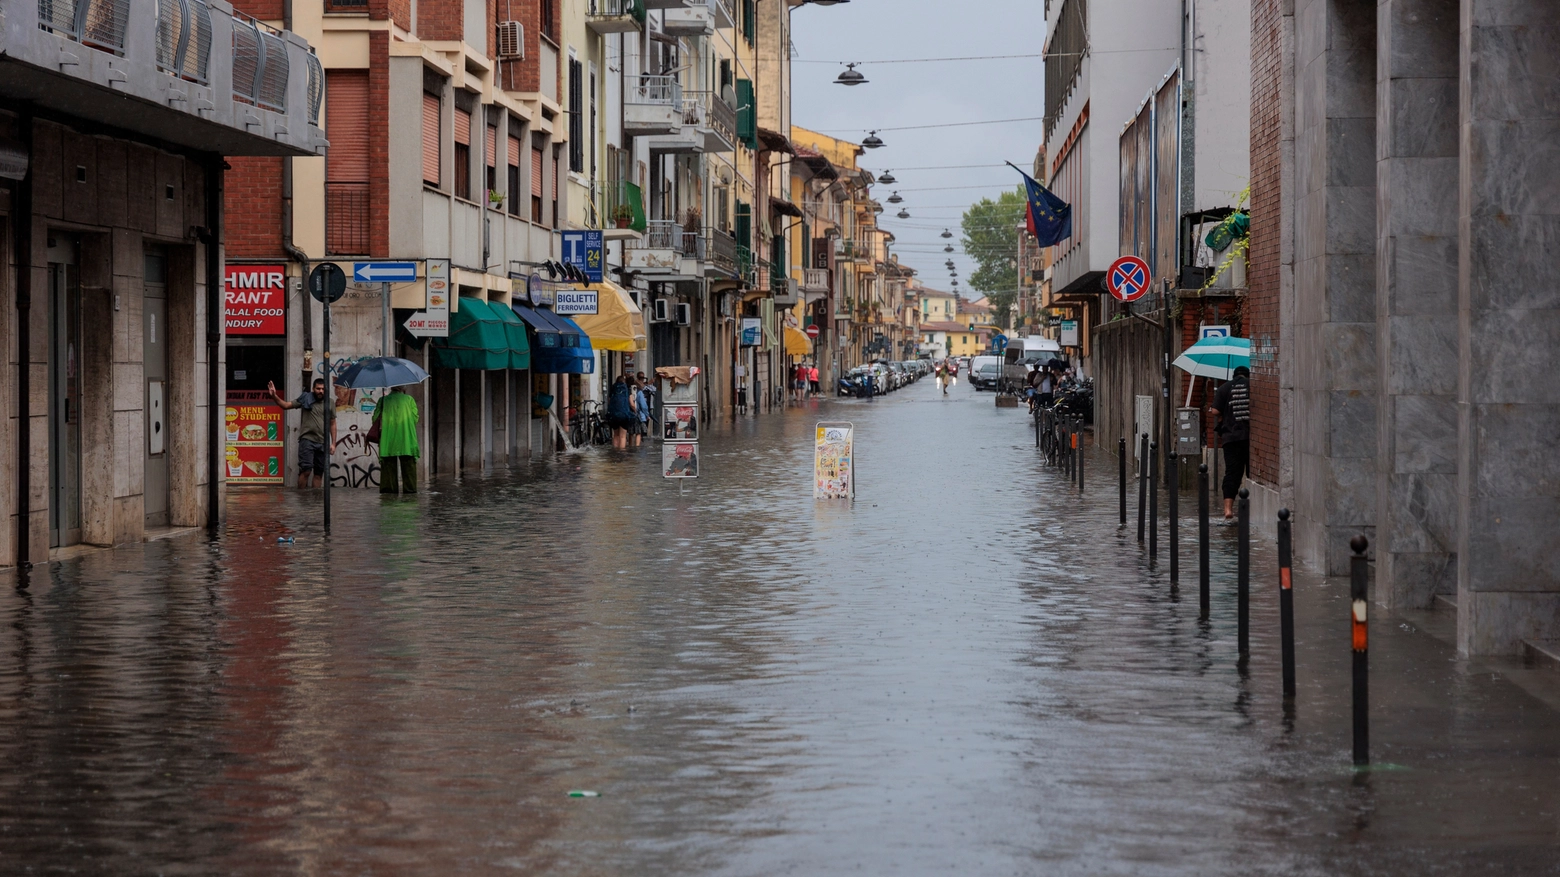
(384, 318)
(327, 282)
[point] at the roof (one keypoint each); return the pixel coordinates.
(947, 327)
(934, 293)
(975, 306)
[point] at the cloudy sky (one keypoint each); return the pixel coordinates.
(913, 94)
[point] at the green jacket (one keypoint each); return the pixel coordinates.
(397, 413)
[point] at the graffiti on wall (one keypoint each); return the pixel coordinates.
(356, 462)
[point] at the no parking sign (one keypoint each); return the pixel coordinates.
(1128, 278)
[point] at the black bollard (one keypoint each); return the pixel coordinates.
(1037, 413)
(1153, 502)
(1243, 573)
(1121, 455)
(1174, 486)
(1286, 604)
(1202, 541)
(1359, 573)
(1142, 468)
(1081, 449)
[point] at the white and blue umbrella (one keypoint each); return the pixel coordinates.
(1215, 357)
(380, 372)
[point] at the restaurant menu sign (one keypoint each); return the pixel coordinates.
(252, 425)
(256, 297)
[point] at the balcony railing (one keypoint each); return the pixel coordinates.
(825, 211)
(184, 38)
(706, 109)
(720, 250)
(260, 65)
(96, 23)
(815, 279)
(654, 90)
(660, 234)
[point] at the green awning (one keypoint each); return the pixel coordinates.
(478, 339)
(514, 329)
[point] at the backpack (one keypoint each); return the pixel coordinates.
(617, 403)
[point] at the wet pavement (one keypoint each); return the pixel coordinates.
(970, 670)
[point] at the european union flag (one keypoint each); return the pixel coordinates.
(1049, 217)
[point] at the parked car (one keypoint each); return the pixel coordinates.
(985, 371)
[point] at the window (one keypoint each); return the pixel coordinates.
(431, 140)
(747, 124)
(490, 152)
(536, 185)
(346, 163)
(749, 19)
(557, 159)
(549, 18)
(513, 157)
(576, 116)
(462, 154)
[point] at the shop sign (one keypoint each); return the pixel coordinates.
(574, 302)
(434, 320)
(256, 299)
(583, 250)
(1069, 333)
(752, 331)
(538, 293)
(253, 432)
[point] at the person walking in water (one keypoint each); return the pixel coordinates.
(1232, 402)
(316, 410)
(396, 415)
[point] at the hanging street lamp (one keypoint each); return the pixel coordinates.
(873, 141)
(894, 198)
(887, 178)
(947, 234)
(903, 213)
(851, 76)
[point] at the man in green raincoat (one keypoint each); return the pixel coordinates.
(396, 415)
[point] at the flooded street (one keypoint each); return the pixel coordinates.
(971, 670)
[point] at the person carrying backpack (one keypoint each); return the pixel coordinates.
(620, 412)
(1232, 402)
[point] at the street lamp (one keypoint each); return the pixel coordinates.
(948, 249)
(894, 198)
(851, 76)
(873, 141)
(947, 234)
(887, 179)
(903, 213)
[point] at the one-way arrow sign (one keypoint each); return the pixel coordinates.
(384, 272)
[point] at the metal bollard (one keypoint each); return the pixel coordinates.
(1359, 573)
(1174, 486)
(1153, 502)
(1037, 413)
(1243, 573)
(1142, 484)
(1078, 443)
(1202, 541)
(1286, 604)
(1121, 455)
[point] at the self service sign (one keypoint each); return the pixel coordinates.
(256, 299)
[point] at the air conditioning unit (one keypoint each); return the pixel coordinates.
(684, 314)
(511, 41)
(662, 311)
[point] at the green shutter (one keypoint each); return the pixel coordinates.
(744, 225)
(747, 114)
(749, 20)
(780, 269)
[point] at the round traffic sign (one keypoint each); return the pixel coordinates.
(1128, 278)
(327, 279)
(812, 332)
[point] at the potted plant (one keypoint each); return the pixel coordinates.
(623, 215)
(495, 199)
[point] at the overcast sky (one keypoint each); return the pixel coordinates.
(921, 94)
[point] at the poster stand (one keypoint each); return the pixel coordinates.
(834, 460)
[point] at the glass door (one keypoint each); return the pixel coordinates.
(64, 395)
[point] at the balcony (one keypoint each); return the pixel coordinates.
(665, 4)
(708, 124)
(615, 203)
(652, 105)
(784, 289)
(664, 252)
(689, 21)
(181, 72)
(615, 16)
(720, 254)
(815, 281)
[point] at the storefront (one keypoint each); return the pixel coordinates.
(255, 301)
(478, 371)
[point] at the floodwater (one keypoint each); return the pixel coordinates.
(970, 670)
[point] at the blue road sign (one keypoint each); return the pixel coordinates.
(583, 250)
(384, 272)
(999, 342)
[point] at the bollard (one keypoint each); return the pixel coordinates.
(1243, 573)
(1078, 443)
(1142, 483)
(1037, 413)
(1174, 482)
(1121, 455)
(1359, 572)
(1202, 541)
(1286, 604)
(1153, 502)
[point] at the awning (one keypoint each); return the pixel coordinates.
(477, 339)
(796, 342)
(617, 324)
(562, 347)
(514, 332)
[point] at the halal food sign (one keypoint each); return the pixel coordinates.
(256, 299)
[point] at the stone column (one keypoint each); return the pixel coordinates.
(1416, 300)
(1508, 417)
(1334, 344)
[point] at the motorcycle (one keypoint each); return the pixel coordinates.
(857, 386)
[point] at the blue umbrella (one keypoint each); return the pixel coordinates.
(1215, 357)
(380, 372)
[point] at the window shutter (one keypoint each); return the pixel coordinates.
(576, 116)
(747, 125)
(430, 133)
(492, 146)
(462, 127)
(536, 173)
(514, 151)
(346, 124)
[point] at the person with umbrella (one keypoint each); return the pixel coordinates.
(1232, 402)
(395, 417)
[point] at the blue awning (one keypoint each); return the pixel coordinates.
(561, 347)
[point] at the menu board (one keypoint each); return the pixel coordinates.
(253, 430)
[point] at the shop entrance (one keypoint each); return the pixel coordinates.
(155, 352)
(253, 362)
(64, 392)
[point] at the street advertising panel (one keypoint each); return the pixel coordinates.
(583, 250)
(752, 331)
(680, 423)
(1069, 333)
(680, 460)
(253, 433)
(256, 299)
(682, 393)
(834, 461)
(434, 320)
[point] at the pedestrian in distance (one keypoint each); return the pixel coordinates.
(641, 411)
(620, 412)
(650, 396)
(316, 410)
(1232, 404)
(942, 377)
(812, 378)
(396, 416)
